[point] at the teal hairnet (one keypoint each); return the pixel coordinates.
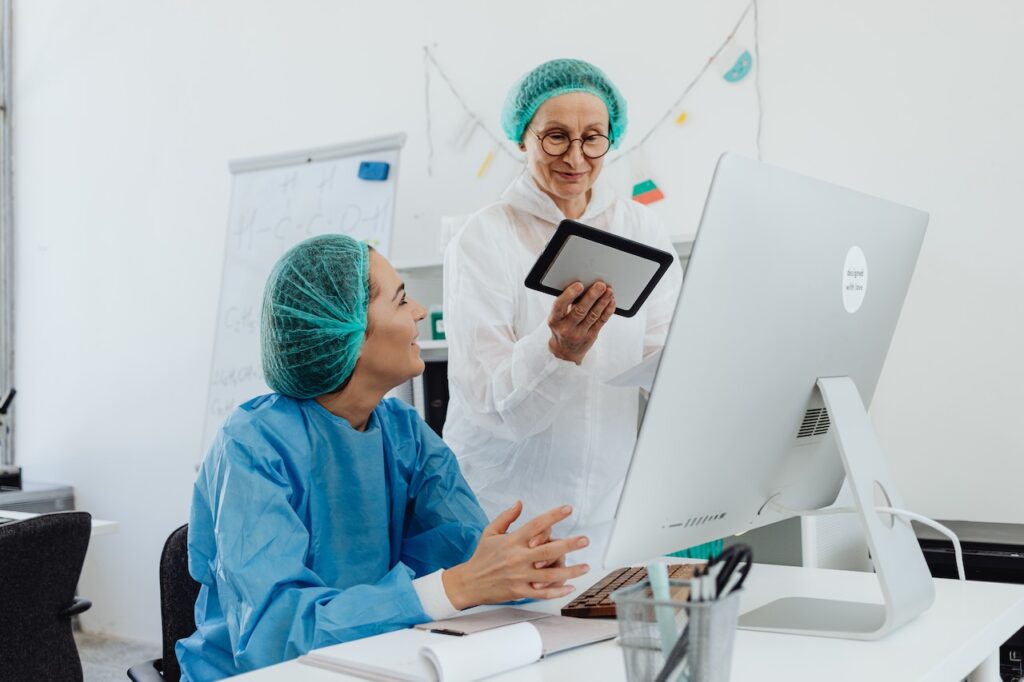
(314, 315)
(558, 77)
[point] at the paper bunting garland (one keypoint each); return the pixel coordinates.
(470, 124)
(733, 62)
(728, 59)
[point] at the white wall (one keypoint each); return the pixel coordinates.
(126, 113)
(915, 102)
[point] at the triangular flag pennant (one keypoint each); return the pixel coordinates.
(647, 192)
(486, 165)
(644, 189)
(734, 63)
(740, 69)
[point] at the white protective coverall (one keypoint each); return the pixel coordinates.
(524, 424)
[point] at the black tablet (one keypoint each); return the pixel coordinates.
(580, 253)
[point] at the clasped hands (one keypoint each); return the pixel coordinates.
(523, 564)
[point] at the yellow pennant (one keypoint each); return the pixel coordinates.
(681, 118)
(485, 166)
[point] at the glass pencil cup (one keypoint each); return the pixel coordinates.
(650, 629)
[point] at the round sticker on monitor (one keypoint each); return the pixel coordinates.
(855, 279)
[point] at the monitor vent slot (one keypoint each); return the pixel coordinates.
(816, 422)
(699, 520)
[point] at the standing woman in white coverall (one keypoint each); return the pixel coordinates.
(530, 414)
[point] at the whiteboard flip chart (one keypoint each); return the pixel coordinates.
(276, 202)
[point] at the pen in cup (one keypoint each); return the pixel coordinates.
(665, 615)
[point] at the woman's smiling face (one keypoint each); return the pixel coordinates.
(567, 178)
(390, 354)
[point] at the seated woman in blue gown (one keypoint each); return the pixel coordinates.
(324, 512)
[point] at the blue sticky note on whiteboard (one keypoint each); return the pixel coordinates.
(374, 170)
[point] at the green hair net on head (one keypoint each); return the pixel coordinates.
(558, 77)
(314, 315)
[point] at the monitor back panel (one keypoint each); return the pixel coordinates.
(790, 279)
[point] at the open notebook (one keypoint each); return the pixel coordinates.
(481, 645)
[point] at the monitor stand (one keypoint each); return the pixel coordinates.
(907, 588)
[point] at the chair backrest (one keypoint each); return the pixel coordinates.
(40, 562)
(178, 593)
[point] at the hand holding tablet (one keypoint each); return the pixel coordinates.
(579, 253)
(577, 317)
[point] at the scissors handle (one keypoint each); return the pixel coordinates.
(737, 557)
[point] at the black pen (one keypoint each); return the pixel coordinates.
(6, 403)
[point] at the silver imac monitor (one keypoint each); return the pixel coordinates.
(787, 308)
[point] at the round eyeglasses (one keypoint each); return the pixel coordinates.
(557, 143)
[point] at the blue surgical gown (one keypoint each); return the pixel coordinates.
(306, 532)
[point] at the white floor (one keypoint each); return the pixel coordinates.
(107, 659)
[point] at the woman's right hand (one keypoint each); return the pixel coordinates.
(502, 567)
(575, 326)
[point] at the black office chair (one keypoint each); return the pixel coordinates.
(40, 562)
(178, 593)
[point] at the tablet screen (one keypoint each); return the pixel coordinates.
(626, 273)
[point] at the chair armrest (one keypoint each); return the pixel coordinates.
(79, 606)
(145, 672)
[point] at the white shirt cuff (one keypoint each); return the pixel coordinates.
(433, 598)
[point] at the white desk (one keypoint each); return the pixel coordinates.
(960, 633)
(99, 527)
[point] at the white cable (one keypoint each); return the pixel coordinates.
(913, 516)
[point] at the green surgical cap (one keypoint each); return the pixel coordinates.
(555, 78)
(314, 315)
